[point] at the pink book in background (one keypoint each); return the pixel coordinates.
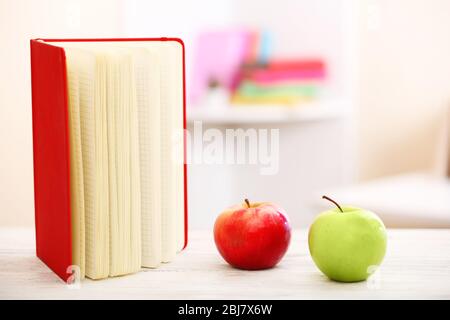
(270, 76)
(218, 58)
(296, 64)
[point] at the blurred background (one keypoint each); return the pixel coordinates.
(359, 90)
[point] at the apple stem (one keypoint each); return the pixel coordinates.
(247, 202)
(331, 200)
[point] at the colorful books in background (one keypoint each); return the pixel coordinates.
(241, 62)
(283, 82)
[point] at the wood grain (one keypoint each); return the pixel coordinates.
(417, 265)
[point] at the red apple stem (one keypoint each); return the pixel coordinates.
(247, 202)
(331, 200)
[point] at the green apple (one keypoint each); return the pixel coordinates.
(347, 243)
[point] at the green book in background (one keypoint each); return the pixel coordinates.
(250, 89)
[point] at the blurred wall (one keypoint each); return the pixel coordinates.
(20, 21)
(404, 84)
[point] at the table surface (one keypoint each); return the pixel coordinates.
(417, 265)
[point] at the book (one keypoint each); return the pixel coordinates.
(272, 76)
(250, 89)
(109, 154)
(296, 64)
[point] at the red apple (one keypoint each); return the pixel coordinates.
(252, 236)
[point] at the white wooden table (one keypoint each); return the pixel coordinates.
(417, 265)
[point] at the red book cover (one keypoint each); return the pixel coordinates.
(51, 157)
(51, 151)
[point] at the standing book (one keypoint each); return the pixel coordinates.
(109, 154)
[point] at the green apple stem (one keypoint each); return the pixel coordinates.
(247, 202)
(331, 200)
